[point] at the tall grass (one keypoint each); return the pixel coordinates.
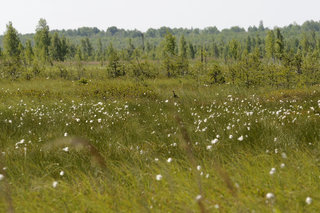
(113, 138)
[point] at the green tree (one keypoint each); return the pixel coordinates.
(234, 49)
(64, 48)
(192, 51)
(78, 57)
(270, 45)
(11, 43)
(297, 62)
(279, 44)
(55, 48)
(248, 44)
(12, 52)
(215, 52)
(305, 44)
(183, 47)
(78, 54)
(22, 54)
(261, 27)
(29, 52)
(170, 44)
(313, 40)
(216, 75)
(71, 49)
(115, 68)
(182, 61)
(311, 68)
(86, 48)
(130, 49)
(58, 48)
(100, 53)
(260, 45)
(169, 54)
(42, 41)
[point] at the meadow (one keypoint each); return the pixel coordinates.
(120, 145)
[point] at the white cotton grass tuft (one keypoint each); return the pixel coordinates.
(272, 171)
(214, 141)
(240, 138)
(61, 173)
(169, 160)
(308, 200)
(55, 184)
(283, 155)
(269, 195)
(66, 149)
(158, 177)
(1, 176)
(198, 197)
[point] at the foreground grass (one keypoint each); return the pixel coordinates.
(129, 147)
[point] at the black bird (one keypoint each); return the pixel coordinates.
(174, 94)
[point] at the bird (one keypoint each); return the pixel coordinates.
(174, 94)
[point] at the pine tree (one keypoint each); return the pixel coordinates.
(22, 54)
(313, 40)
(260, 45)
(297, 62)
(279, 44)
(114, 65)
(270, 45)
(234, 49)
(216, 75)
(183, 47)
(130, 49)
(29, 52)
(261, 27)
(305, 44)
(248, 44)
(192, 51)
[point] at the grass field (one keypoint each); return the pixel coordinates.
(123, 146)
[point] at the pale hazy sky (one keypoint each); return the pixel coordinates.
(143, 14)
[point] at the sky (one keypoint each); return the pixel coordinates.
(144, 14)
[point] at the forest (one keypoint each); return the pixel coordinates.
(281, 57)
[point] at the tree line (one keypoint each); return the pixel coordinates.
(279, 57)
